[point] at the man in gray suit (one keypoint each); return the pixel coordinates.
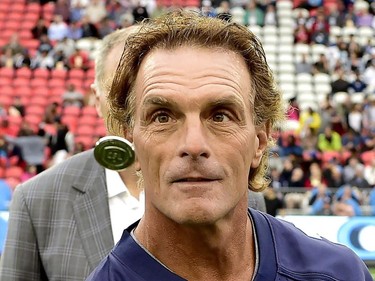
(61, 223)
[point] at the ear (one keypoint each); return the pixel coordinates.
(260, 145)
(95, 91)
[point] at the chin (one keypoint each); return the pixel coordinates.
(197, 214)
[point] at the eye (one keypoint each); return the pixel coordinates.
(161, 117)
(220, 117)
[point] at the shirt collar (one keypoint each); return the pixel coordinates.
(115, 184)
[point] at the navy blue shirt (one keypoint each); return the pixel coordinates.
(285, 254)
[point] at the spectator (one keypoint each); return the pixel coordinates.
(364, 18)
(62, 8)
(329, 140)
(315, 176)
(77, 9)
(78, 60)
(52, 113)
(358, 85)
(106, 27)
(341, 84)
(39, 29)
(72, 97)
(95, 11)
(350, 168)
(322, 65)
(61, 144)
(75, 31)
(126, 20)
(320, 201)
(6, 58)
(58, 29)
(253, 14)
(273, 200)
(30, 171)
(66, 45)
(359, 180)
(45, 45)
(310, 121)
(89, 30)
(351, 141)
(369, 75)
(14, 45)
(346, 203)
(336, 14)
(43, 60)
(319, 32)
(18, 106)
(355, 118)
(372, 201)
(303, 66)
(270, 17)
(139, 12)
(369, 173)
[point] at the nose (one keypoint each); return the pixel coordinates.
(194, 139)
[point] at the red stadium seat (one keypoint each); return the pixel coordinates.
(7, 91)
(87, 141)
(33, 8)
(89, 110)
(85, 130)
(38, 82)
(42, 91)
(7, 72)
(6, 101)
(59, 74)
(5, 81)
(22, 91)
(21, 82)
(23, 72)
(100, 131)
(35, 110)
(38, 101)
(13, 172)
(71, 110)
(76, 74)
(41, 73)
(89, 120)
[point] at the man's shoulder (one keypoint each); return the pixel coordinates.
(81, 167)
(298, 253)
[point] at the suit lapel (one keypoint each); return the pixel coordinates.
(91, 211)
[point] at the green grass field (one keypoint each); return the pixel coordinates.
(372, 270)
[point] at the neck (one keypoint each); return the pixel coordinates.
(130, 178)
(220, 251)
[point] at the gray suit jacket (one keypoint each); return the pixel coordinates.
(59, 225)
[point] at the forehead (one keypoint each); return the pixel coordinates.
(193, 68)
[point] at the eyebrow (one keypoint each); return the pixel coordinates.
(159, 101)
(220, 102)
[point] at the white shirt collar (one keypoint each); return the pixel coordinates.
(115, 185)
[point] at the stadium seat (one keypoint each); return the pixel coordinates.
(76, 74)
(41, 73)
(87, 120)
(85, 130)
(35, 110)
(38, 82)
(5, 81)
(7, 91)
(7, 72)
(42, 91)
(38, 101)
(72, 111)
(13, 172)
(87, 141)
(6, 101)
(23, 72)
(89, 110)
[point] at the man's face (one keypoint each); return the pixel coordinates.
(194, 133)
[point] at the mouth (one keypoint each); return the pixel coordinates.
(194, 180)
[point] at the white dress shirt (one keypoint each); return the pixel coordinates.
(124, 209)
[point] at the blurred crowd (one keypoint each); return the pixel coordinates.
(324, 159)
